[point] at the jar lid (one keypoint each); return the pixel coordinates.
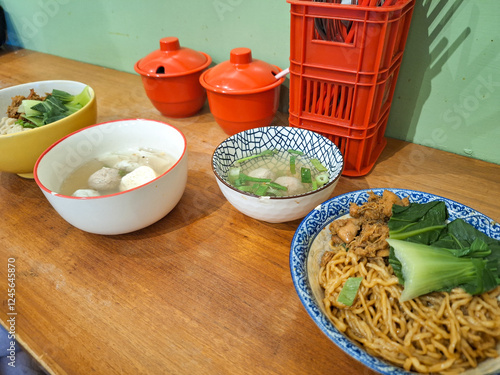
(172, 60)
(241, 73)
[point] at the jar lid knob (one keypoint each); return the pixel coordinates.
(170, 43)
(240, 56)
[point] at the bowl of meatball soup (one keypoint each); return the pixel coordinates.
(115, 177)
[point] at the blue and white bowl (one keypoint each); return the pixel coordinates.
(253, 141)
(305, 261)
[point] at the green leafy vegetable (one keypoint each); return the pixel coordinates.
(426, 269)
(428, 254)
(56, 106)
(420, 223)
(349, 290)
(459, 234)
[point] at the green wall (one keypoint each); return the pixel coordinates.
(448, 91)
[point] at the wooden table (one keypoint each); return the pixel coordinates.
(206, 289)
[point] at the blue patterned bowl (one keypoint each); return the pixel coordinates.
(305, 260)
(253, 141)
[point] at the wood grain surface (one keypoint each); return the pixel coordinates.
(204, 290)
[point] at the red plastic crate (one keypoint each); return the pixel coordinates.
(346, 101)
(343, 88)
(375, 40)
(360, 152)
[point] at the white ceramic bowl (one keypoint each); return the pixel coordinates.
(122, 212)
(21, 150)
(253, 141)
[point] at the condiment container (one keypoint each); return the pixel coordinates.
(170, 76)
(243, 92)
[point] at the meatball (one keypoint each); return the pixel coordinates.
(126, 166)
(293, 185)
(262, 173)
(105, 179)
(85, 193)
(137, 177)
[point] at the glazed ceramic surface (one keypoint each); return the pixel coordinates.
(253, 141)
(243, 92)
(126, 211)
(171, 78)
(21, 150)
(304, 264)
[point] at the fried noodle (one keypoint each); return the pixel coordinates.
(440, 332)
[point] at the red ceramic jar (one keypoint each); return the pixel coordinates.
(170, 76)
(243, 93)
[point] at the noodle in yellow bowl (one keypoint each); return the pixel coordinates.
(21, 149)
(311, 241)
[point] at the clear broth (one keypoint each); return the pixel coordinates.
(159, 161)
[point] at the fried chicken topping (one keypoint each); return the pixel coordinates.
(366, 231)
(12, 110)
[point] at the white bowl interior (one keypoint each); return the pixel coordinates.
(62, 158)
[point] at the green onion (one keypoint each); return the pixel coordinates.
(292, 164)
(314, 185)
(317, 164)
(245, 177)
(236, 178)
(305, 175)
(274, 192)
(245, 188)
(349, 291)
(322, 179)
(295, 152)
(277, 186)
(261, 190)
(263, 153)
(233, 174)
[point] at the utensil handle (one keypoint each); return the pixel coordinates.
(283, 73)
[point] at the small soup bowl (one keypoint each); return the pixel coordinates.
(276, 209)
(122, 212)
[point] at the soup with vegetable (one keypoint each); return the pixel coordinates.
(278, 173)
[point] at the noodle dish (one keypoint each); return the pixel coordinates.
(403, 281)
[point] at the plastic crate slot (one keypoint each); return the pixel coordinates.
(334, 30)
(327, 99)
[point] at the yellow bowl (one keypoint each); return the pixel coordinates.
(21, 150)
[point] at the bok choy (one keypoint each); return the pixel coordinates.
(429, 254)
(56, 106)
